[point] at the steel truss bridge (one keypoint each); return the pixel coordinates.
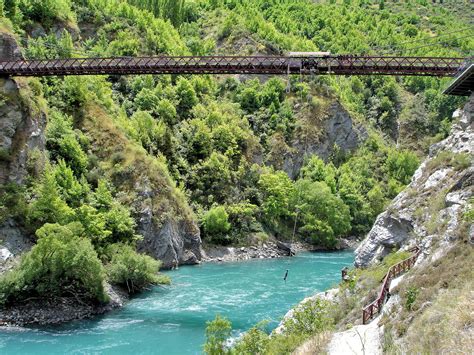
(274, 65)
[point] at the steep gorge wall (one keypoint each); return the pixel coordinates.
(164, 219)
(430, 210)
(22, 144)
(22, 120)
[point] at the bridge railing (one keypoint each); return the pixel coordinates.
(374, 308)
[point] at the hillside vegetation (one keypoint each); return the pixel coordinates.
(209, 150)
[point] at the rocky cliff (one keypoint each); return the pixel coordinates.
(336, 129)
(430, 210)
(22, 144)
(22, 119)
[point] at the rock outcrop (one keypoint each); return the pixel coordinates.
(431, 207)
(22, 124)
(9, 48)
(338, 129)
(174, 243)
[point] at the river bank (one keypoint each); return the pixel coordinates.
(58, 310)
(67, 309)
(172, 319)
(268, 250)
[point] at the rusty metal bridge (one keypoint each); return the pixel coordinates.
(274, 65)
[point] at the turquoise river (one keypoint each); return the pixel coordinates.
(172, 320)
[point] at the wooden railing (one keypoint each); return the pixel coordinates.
(375, 307)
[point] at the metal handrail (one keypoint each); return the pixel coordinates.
(374, 308)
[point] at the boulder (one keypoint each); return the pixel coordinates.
(174, 243)
(285, 247)
(9, 48)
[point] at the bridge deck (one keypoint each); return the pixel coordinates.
(276, 65)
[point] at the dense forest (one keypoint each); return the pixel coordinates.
(214, 147)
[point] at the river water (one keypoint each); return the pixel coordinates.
(171, 320)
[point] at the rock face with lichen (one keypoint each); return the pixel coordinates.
(430, 210)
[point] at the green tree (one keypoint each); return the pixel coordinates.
(277, 189)
(102, 198)
(254, 341)
(148, 131)
(210, 181)
(62, 142)
(166, 111)
(376, 199)
(147, 100)
(94, 228)
(120, 223)
(47, 205)
(401, 165)
(187, 98)
(73, 191)
(316, 170)
(323, 216)
(196, 138)
(249, 99)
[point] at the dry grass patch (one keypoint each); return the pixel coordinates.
(316, 345)
(436, 312)
(446, 158)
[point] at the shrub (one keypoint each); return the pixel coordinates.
(410, 296)
(47, 11)
(309, 318)
(254, 341)
(401, 165)
(12, 202)
(217, 332)
(132, 270)
(216, 223)
(60, 264)
(458, 161)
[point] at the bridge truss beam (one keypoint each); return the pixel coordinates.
(275, 65)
